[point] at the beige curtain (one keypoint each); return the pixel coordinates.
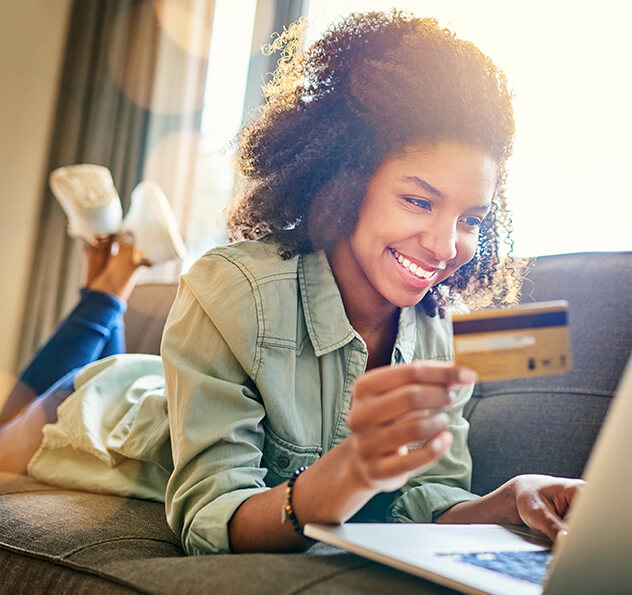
(130, 99)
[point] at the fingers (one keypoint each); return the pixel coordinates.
(563, 498)
(412, 462)
(383, 456)
(544, 518)
(381, 380)
(543, 502)
(389, 438)
(390, 472)
(397, 403)
(385, 394)
(395, 407)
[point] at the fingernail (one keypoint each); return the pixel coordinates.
(442, 442)
(437, 444)
(466, 376)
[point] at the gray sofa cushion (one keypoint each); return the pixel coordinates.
(71, 538)
(64, 541)
(548, 424)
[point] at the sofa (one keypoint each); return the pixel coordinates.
(60, 541)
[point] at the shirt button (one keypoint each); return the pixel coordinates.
(283, 461)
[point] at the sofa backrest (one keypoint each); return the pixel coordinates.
(549, 424)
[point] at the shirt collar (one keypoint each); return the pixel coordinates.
(325, 316)
(406, 336)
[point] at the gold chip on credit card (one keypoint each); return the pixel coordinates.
(531, 340)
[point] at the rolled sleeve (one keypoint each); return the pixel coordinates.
(215, 412)
(427, 496)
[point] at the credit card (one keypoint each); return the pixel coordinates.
(530, 340)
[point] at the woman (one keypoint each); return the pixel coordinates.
(376, 173)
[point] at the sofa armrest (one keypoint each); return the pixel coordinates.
(147, 311)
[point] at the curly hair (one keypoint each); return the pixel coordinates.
(373, 85)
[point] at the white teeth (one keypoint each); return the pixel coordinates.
(412, 267)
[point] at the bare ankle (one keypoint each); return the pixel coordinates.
(118, 277)
(119, 287)
(96, 258)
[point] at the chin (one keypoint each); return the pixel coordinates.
(408, 302)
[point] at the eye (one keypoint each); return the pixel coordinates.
(420, 203)
(472, 221)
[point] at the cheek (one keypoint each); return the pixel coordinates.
(466, 248)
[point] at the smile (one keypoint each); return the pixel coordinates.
(411, 267)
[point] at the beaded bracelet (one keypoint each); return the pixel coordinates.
(288, 510)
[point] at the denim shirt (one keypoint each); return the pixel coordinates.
(260, 360)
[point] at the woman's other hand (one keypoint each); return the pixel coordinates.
(543, 501)
(398, 422)
(539, 501)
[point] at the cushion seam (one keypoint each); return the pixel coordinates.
(114, 540)
(548, 390)
(59, 561)
(22, 492)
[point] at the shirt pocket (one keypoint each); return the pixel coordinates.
(282, 457)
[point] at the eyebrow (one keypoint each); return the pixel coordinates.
(482, 208)
(430, 188)
(423, 185)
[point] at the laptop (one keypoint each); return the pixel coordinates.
(594, 557)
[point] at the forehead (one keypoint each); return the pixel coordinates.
(451, 168)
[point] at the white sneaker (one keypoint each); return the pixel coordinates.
(152, 223)
(87, 194)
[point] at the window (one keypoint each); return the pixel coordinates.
(221, 118)
(567, 63)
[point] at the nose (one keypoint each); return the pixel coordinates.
(440, 241)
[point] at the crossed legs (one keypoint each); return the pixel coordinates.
(93, 330)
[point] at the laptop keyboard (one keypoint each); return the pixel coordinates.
(528, 566)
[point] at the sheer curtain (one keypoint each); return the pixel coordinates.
(130, 99)
(272, 16)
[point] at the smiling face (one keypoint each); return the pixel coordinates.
(418, 223)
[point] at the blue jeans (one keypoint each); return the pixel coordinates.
(92, 331)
